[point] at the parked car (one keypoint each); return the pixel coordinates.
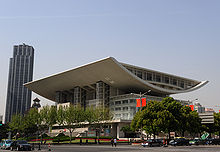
(5, 144)
(152, 143)
(20, 145)
(209, 141)
(194, 141)
(216, 141)
(197, 141)
(179, 142)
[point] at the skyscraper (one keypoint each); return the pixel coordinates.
(20, 72)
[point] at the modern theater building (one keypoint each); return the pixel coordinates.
(112, 84)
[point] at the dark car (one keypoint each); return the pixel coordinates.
(197, 141)
(216, 142)
(179, 142)
(20, 145)
(152, 143)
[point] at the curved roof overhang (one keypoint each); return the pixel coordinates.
(107, 70)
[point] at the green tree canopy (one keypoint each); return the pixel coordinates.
(167, 115)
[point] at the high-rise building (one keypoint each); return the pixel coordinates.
(1, 118)
(20, 72)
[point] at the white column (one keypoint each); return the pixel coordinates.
(118, 130)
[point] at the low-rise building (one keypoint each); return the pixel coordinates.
(114, 85)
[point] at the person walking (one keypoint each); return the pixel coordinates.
(115, 142)
(112, 142)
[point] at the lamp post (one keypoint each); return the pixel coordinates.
(141, 95)
(140, 98)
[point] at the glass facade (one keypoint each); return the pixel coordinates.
(20, 72)
(161, 79)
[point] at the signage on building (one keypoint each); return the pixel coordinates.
(172, 134)
(91, 132)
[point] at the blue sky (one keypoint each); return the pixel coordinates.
(172, 36)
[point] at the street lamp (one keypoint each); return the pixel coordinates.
(140, 97)
(145, 92)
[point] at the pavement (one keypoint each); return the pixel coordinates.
(129, 148)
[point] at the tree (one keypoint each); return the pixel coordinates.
(148, 118)
(127, 131)
(217, 123)
(3, 131)
(48, 116)
(16, 125)
(167, 115)
(30, 121)
(90, 115)
(185, 119)
(136, 121)
(174, 116)
(61, 115)
(194, 123)
(73, 116)
(100, 116)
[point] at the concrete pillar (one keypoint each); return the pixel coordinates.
(118, 130)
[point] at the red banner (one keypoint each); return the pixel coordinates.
(192, 107)
(144, 102)
(138, 103)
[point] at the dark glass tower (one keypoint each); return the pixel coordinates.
(20, 72)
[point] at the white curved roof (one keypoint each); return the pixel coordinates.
(107, 70)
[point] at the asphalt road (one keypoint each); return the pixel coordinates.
(129, 148)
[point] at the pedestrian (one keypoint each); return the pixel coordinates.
(112, 142)
(115, 142)
(80, 141)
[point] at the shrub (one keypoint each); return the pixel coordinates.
(44, 135)
(101, 137)
(62, 138)
(61, 135)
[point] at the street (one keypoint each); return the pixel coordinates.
(129, 148)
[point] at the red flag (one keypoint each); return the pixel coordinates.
(144, 102)
(138, 103)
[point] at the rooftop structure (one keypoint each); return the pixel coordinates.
(125, 77)
(106, 81)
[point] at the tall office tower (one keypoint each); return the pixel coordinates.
(20, 72)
